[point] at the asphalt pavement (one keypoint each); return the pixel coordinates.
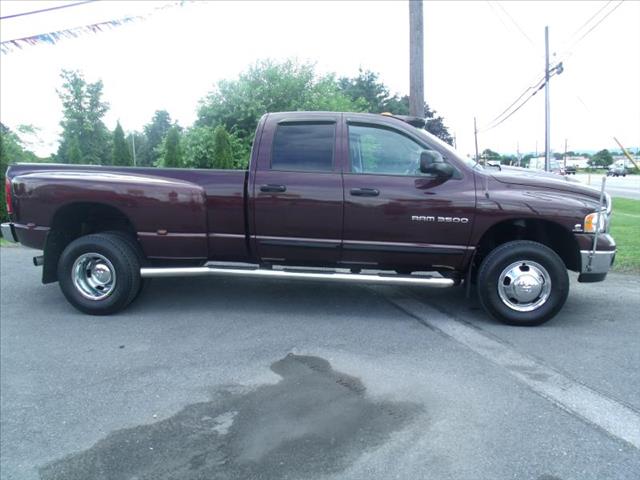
(625, 187)
(212, 378)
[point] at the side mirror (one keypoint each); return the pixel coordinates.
(432, 162)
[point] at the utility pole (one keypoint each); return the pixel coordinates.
(475, 134)
(547, 116)
(565, 154)
(133, 147)
(416, 59)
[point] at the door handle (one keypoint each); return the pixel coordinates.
(273, 188)
(365, 192)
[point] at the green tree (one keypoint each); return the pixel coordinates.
(85, 138)
(199, 149)
(12, 150)
(508, 159)
(155, 133)
(222, 151)
(137, 141)
(601, 159)
(171, 153)
(490, 155)
(269, 86)
(121, 155)
(367, 90)
(241, 152)
(73, 153)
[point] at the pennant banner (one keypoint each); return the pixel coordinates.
(54, 37)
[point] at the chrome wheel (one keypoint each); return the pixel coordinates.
(93, 276)
(524, 286)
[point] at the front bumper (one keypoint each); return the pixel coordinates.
(8, 233)
(595, 268)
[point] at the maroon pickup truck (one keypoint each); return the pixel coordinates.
(343, 197)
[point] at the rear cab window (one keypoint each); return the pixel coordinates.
(304, 146)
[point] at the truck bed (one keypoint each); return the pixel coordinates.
(177, 214)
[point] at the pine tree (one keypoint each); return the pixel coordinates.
(172, 157)
(120, 154)
(155, 132)
(222, 152)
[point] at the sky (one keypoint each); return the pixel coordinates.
(479, 57)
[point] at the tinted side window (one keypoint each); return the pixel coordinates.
(382, 151)
(304, 146)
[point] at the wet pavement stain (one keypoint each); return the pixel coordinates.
(315, 421)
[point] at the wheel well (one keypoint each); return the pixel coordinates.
(551, 234)
(76, 220)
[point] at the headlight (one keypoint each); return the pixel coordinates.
(595, 221)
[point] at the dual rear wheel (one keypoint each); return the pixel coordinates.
(99, 274)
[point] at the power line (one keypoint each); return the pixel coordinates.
(553, 71)
(535, 86)
(515, 23)
(491, 127)
(556, 69)
(43, 10)
(589, 20)
(496, 14)
(592, 28)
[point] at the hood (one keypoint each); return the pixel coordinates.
(541, 179)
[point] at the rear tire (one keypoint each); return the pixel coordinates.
(133, 243)
(523, 283)
(99, 274)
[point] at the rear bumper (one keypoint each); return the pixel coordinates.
(29, 235)
(8, 233)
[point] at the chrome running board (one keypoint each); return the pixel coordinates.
(301, 274)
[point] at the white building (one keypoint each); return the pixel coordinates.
(577, 161)
(622, 161)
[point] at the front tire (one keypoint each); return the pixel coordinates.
(99, 274)
(523, 283)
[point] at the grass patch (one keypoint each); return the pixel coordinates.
(625, 229)
(5, 243)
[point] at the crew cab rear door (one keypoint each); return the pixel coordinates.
(394, 215)
(297, 190)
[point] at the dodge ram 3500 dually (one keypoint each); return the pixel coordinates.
(346, 197)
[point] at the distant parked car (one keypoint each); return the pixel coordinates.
(570, 170)
(617, 171)
(555, 167)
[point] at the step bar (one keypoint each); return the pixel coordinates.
(291, 274)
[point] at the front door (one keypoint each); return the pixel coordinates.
(298, 194)
(395, 216)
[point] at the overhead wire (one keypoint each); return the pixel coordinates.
(501, 118)
(492, 126)
(43, 10)
(586, 22)
(532, 87)
(571, 49)
(515, 23)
